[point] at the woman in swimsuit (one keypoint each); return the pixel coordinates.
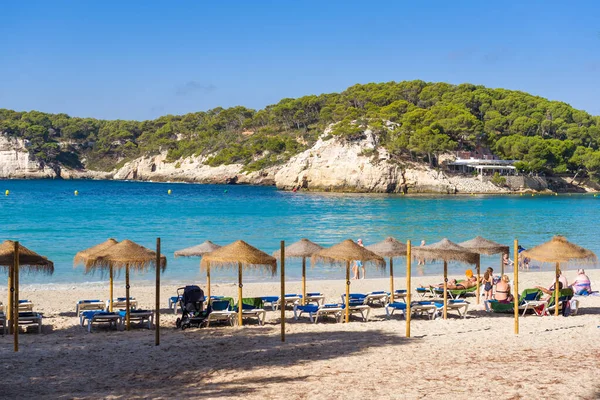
(503, 290)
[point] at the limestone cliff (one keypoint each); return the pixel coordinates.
(15, 162)
(331, 164)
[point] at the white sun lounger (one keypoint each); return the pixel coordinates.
(314, 311)
(86, 305)
(138, 316)
(31, 318)
(25, 306)
(3, 322)
(92, 317)
(390, 308)
(121, 303)
(220, 312)
(315, 297)
(290, 299)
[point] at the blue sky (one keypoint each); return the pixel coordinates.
(142, 59)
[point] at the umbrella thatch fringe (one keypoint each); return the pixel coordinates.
(28, 260)
(484, 246)
(84, 256)
(239, 252)
(301, 249)
(390, 247)
(345, 252)
(198, 250)
(123, 254)
(445, 250)
(232, 265)
(559, 249)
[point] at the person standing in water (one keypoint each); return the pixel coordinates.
(421, 261)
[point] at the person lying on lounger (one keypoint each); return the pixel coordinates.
(454, 285)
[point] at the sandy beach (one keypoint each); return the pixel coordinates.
(478, 357)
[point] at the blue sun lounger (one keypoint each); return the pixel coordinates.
(139, 316)
(315, 311)
(85, 305)
(95, 316)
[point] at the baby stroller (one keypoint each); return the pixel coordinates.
(192, 307)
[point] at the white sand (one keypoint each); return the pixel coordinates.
(478, 357)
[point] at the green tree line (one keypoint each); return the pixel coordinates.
(412, 119)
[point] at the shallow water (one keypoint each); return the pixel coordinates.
(47, 217)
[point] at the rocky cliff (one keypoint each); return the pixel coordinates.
(331, 164)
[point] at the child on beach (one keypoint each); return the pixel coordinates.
(488, 284)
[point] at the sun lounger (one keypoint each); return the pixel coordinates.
(121, 303)
(390, 308)
(1, 307)
(270, 301)
(142, 317)
(370, 298)
(399, 294)
(3, 322)
(528, 301)
(221, 311)
(174, 302)
(96, 317)
(315, 297)
(564, 296)
(252, 311)
(25, 306)
(425, 292)
(85, 305)
(274, 301)
(454, 293)
(31, 318)
(314, 311)
(356, 307)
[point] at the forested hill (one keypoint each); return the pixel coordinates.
(413, 119)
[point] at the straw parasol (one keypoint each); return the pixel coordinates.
(446, 251)
(85, 256)
(125, 255)
(488, 247)
(303, 248)
(243, 256)
(560, 250)
(198, 251)
(391, 248)
(14, 257)
(344, 253)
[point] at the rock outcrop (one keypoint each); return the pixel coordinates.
(331, 164)
(15, 162)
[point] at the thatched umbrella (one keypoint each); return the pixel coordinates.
(346, 252)
(13, 258)
(198, 251)
(303, 248)
(391, 248)
(488, 247)
(558, 250)
(445, 251)
(125, 255)
(85, 256)
(241, 255)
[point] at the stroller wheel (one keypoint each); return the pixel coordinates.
(184, 326)
(178, 323)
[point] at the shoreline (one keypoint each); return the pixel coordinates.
(526, 192)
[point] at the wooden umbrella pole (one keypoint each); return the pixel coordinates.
(239, 293)
(391, 280)
(110, 272)
(157, 305)
(282, 303)
(16, 297)
(516, 289)
(127, 321)
(556, 290)
(347, 291)
(478, 279)
(208, 282)
(303, 279)
(11, 293)
(408, 288)
(445, 289)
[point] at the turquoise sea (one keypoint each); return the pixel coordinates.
(47, 217)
